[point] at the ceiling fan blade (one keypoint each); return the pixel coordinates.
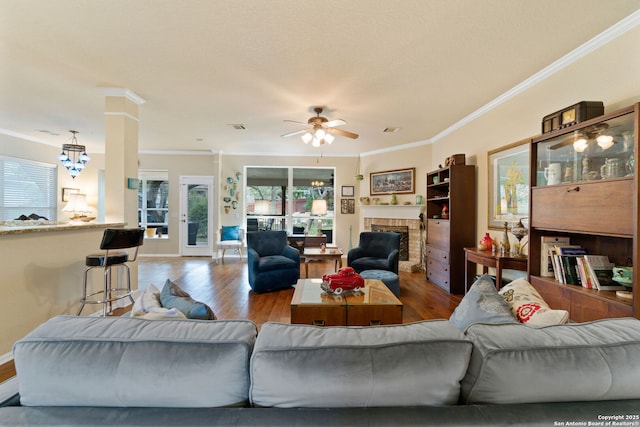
(336, 122)
(293, 133)
(343, 133)
(295, 121)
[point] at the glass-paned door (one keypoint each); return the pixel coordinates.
(196, 215)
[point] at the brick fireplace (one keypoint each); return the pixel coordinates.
(398, 218)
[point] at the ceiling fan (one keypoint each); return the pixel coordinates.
(320, 130)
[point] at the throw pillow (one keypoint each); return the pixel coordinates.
(529, 307)
(172, 296)
(230, 232)
(482, 303)
(148, 306)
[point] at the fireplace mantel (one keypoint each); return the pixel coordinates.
(391, 211)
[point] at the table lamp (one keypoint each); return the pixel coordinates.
(319, 208)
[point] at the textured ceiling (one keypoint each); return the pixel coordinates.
(201, 65)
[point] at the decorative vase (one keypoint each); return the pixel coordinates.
(394, 199)
(519, 230)
(486, 242)
(506, 246)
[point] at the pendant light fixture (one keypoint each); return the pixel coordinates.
(358, 176)
(73, 156)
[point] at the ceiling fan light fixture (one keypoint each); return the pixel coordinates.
(307, 137)
(320, 130)
(580, 145)
(604, 141)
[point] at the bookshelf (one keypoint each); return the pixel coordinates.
(448, 235)
(593, 202)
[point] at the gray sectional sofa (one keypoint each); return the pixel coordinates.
(128, 371)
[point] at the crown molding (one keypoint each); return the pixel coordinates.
(590, 46)
(123, 93)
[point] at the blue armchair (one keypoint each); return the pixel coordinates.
(377, 250)
(272, 263)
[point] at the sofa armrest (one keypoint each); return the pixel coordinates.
(252, 258)
(393, 260)
(291, 253)
(353, 254)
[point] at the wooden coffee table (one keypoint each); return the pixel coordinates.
(316, 253)
(374, 305)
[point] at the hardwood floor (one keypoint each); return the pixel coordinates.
(225, 288)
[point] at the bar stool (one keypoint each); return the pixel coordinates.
(113, 241)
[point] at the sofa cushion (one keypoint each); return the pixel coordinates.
(172, 296)
(124, 361)
(529, 307)
(482, 303)
(148, 306)
(370, 263)
(276, 262)
(415, 364)
(516, 363)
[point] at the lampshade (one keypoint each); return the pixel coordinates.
(580, 145)
(319, 207)
(262, 207)
(78, 206)
(307, 137)
(77, 203)
(604, 141)
(317, 137)
(328, 138)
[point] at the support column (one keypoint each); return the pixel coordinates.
(121, 155)
(121, 161)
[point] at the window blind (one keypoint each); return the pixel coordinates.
(28, 187)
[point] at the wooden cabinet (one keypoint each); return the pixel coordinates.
(451, 224)
(592, 198)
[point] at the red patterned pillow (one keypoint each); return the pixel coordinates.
(529, 307)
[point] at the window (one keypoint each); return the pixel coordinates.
(279, 198)
(153, 200)
(28, 188)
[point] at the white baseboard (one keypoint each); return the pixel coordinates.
(5, 358)
(159, 255)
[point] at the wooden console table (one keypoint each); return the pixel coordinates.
(488, 259)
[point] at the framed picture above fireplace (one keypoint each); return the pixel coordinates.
(400, 181)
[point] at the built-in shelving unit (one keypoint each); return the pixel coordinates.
(591, 198)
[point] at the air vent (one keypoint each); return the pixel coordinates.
(48, 132)
(237, 126)
(391, 130)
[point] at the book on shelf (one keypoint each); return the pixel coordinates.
(564, 269)
(585, 278)
(570, 250)
(570, 269)
(546, 254)
(601, 272)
